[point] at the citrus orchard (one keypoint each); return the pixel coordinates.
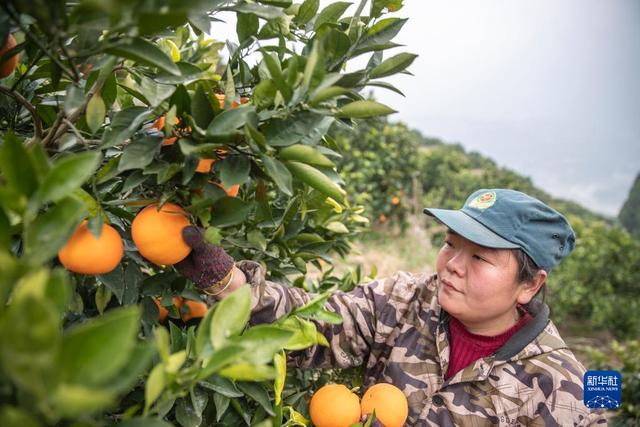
(334, 405)
(158, 233)
(85, 254)
(389, 402)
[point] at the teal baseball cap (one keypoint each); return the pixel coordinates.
(508, 219)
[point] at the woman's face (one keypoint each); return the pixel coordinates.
(478, 285)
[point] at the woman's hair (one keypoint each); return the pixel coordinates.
(527, 270)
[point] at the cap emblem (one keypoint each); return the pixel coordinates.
(483, 201)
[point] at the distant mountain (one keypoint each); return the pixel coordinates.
(629, 215)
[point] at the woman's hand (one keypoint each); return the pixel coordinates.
(209, 266)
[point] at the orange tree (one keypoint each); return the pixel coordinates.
(114, 106)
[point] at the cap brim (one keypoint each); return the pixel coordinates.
(470, 229)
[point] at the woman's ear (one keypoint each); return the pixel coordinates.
(529, 290)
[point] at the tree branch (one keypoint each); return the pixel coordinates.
(37, 123)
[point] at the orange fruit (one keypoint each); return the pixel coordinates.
(221, 98)
(204, 165)
(395, 200)
(382, 218)
(158, 234)
(163, 312)
(231, 191)
(159, 124)
(85, 254)
(389, 402)
(8, 65)
(334, 405)
(196, 310)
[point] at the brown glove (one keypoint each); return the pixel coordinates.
(208, 266)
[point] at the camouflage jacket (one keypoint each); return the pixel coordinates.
(396, 327)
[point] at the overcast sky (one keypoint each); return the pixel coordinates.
(548, 88)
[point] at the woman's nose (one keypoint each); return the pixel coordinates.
(455, 265)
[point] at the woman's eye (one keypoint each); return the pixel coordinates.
(448, 243)
(479, 258)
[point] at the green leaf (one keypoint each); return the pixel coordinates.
(305, 154)
(186, 414)
(273, 65)
(95, 113)
(201, 108)
(382, 32)
(229, 211)
(307, 11)
(221, 386)
(304, 332)
(234, 169)
(157, 21)
(50, 231)
(280, 363)
(154, 92)
(249, 372)
(385, 85)
(246, 26)
(279, 173)
(114, 280)
(393, 65)
(138, 363)
(30, 338)
(124, 124)
(94, 352)
(221, 358)
(227, 122)
(74, 99)
(139, 153)
(327, 94)
(145, 53)
(331, 13)
(230, 316)
(144, 422)
(67, 175)
(364, 109)
(154, 385)
(12, 416)
(316, 179)
(264, 94)
(283, 132)
(72, 400)
(15, 166)
(262, 342)
(266, 12)
(189, 73)
(257, 393)
(221, 403)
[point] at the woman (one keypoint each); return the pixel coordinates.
(468, 345)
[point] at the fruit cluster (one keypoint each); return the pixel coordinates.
(334, 405)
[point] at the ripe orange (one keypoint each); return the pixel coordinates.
(234, 104)
(382, 218)
(85, 254)
(389, 402)
(159, 124)
(196, 310)
(334, 405)
(231, 191)
(205, 165)
(163, 312)
(7, 66)
(158, 234)
(395, 200)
